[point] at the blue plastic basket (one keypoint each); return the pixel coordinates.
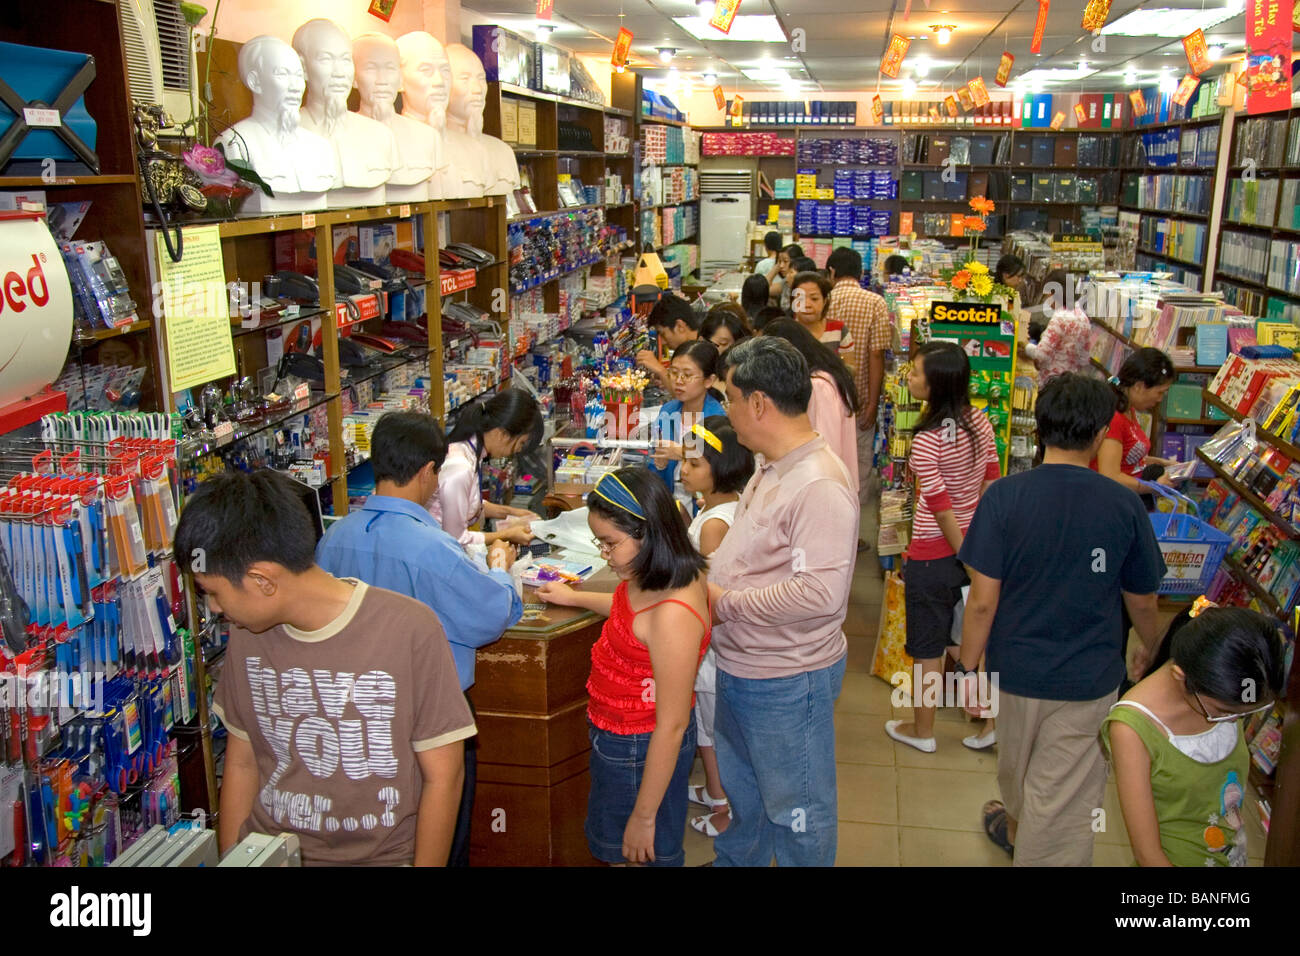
(1193, 549)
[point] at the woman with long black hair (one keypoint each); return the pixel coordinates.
(1141, 385)
(954, 458)
(508, 423)
(833, 408)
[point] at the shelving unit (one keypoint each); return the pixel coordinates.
(1260, 217)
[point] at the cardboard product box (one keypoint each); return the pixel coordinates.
(296, 251)
(527, 130)
(377, 241)
(509, 119)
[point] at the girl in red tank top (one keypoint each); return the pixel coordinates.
(643, 669)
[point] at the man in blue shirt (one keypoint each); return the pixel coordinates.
(1053, 555)
(393, 542)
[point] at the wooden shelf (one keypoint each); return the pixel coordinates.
(1194, 421)
(1164, 255)
(1267, 290)
(1285, 447)
(1260, 592)
(1286, 527)
(525, 216)
(526, 93)
(1175, 213)
(101, 335)
(662, 122)
(1173, 124)
(14, 182)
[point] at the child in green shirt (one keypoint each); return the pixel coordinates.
(1176, 744)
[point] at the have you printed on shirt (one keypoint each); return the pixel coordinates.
(336, 718)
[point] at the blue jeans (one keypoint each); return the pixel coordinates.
(617, 766)
(775, 742)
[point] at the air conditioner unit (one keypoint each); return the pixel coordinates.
(160, 66)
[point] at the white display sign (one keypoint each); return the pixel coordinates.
(35, 309)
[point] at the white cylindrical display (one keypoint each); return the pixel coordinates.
(35, 308)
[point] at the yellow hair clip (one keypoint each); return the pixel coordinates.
(1199, 605)
(711, 439)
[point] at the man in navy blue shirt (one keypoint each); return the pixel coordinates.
(1053, 555)
(393, 542)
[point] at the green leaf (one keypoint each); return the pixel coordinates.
(248, 174)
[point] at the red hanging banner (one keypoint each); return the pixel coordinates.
(1040, 26)
(544, 9)
(877, 110)
(720, 97)
(893, 61)
(964, 96)
(1185, 89)
(979, 92)
(1080, 114)
(1268, 55)
(737, 104)
(1198, 53)
(1004, 69)
(724, 11)
(1139, 104)
(1058, 121)
(950, 104)
(622, 47)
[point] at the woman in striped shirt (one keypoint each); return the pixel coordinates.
(954, 458)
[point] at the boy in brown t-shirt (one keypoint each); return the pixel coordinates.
(341, 700)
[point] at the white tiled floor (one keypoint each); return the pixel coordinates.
(901, 807)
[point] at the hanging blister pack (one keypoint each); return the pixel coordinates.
(73, 599)
(124, 527)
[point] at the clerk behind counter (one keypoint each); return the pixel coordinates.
(507, 424)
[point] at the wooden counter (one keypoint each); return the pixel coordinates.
(530, 693)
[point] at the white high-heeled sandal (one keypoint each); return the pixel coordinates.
(699, 795)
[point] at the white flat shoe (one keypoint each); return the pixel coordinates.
(976, 742)
(923, 744)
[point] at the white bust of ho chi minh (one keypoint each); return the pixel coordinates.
(426, 90)
(296, 164)
(367, 151)
(465, 115)
(379, 79)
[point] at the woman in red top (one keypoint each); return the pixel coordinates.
(1141, 386)
(954, 458)
(643, 667)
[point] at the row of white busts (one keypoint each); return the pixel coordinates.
(317, 154)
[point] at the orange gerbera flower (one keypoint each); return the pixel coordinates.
(974, 224)
(960, 280)
(982, 205)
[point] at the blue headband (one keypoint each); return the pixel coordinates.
(612, 489)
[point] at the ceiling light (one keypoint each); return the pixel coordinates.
(1170, 22)
(943, 32)
(710, 79)
(909, 88)
(1167, 83)
(542, 32)
(1057, 74)
(1215, 53)
(757, 29)
(666, 54)
(921, 67)
(768, 73)
(1130, 77)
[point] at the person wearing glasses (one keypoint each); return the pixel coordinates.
(1176, 743)
(643, 667)
(692, 374)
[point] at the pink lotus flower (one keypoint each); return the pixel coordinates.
(210, 164)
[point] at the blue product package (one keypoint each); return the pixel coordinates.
(40, 75)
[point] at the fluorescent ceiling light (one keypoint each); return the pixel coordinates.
(768, 74)
(543, 31)
(921, 67)
(1056, 74)
(1170, 22)
(710, 79)
(760, 29)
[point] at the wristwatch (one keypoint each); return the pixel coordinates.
(962, 669)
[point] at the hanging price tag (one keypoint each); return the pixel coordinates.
(1058, 121)
(719, 97)
(309, 220)
(893, 60)
(724, 11)
(877, 109)
(1198, 53)
(622, 47)
(1040, 25)
(979, 92)
(1004, 69)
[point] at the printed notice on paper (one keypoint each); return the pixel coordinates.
(196, 310)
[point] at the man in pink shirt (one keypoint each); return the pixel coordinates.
(780, 583)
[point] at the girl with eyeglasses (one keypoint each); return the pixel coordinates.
(692, 373)
(643, 667)
(1175, 740)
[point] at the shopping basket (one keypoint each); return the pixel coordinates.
(1193, 549)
